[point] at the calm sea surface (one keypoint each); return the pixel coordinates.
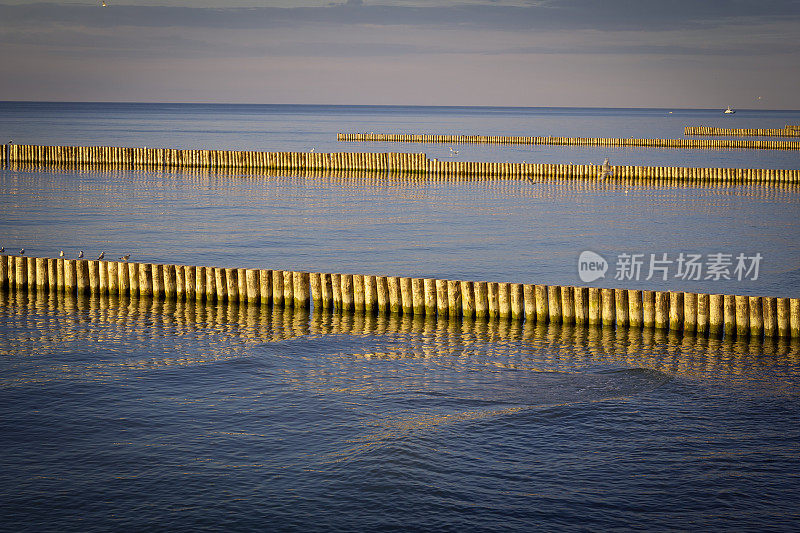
(133, 415)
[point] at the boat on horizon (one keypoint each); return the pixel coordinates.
(729, 111)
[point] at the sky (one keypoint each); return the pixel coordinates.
(593, 53)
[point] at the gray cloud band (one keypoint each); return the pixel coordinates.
(614, 15)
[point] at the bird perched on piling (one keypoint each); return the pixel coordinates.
(61, 254)
(125, 257)
(22, 251)
(102, 255)
(80, 255)
(2, 249)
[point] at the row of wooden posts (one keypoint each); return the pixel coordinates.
(407, 163)
(788, 131)
(567, 141)
(716, 314)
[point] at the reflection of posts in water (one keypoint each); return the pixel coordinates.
(664, 349)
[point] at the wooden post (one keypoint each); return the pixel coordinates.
(265, 286)
(300, 284)
(756, 316)
(621, 307)
(716, 313)
(554, 303)
(41, 273)
(429, 287)
(189, 282)
(252, 281)
(211, 284)
(543, 306)
(21, 272)
(742, 316)
(782, 316)
(441, 297)
(529, 295)
(370, 294)
(395, 298)
(481, 291)
(729, 313)
(635, 317)
(288, 289)
(407, 296)
(493, 295)
(794, 317)
(608, 303)
(648, 309)
(221, 284)
(662, 310)
(277, 288)
(770, 314)
(418, 296)
(133, 279)
(81, 277)
(675, 311)
(70, 276)
(346, 288)
(689, 312)
(145, 280)
(467, 299)
(454, 298)
(382, 289)
(241, 284)
(358, 293)
(518, 301)
(504, 300)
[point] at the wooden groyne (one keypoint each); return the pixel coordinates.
(703, 314)
(568, 141)
(395, 163)
(788, 131)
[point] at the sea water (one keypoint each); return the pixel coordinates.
(139, 414)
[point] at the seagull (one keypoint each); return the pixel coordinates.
(102, 255)
(312, 149)
(80, 255)
(103, 4)
(453, 152)
(61, 254)
(125, 257)
(2, 249)
(22, 251)
(605, 170)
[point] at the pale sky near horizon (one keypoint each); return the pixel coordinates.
(613, 53)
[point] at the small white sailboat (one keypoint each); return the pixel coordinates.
(729, 111)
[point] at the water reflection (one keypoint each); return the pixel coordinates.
(202, 178)
(36, 323)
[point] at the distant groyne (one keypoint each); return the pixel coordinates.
(568, 141)
(406, 163)
(788, 131)
(755, 317)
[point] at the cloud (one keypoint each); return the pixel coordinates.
(609, 15)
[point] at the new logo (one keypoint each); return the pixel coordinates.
(591, 266)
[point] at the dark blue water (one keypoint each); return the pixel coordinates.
(136, 415)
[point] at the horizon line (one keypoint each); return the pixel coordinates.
(373, 105)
